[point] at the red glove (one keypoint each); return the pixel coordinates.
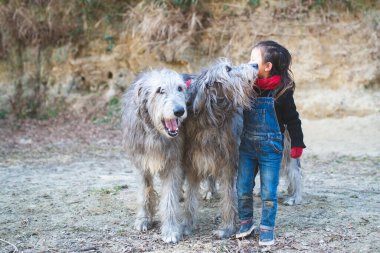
(296, 152)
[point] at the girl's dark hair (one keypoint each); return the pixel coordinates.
(281, 61)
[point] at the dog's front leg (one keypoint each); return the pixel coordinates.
(147, 202)
(171, 181)
(228, 205)
(191, 202)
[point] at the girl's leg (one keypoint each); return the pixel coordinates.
(269, 166)
(244, 185)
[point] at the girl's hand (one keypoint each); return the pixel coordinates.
(296, 152)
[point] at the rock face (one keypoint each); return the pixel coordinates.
(331, 50)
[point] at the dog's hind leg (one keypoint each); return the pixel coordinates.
(209, 190)
(191, 202)
(294, 176)
(171, 228)
(228, 206)
(147, 203)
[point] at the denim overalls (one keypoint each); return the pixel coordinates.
(262, 146)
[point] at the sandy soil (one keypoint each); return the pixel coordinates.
(66, 187)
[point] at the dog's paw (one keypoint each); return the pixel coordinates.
(224, 233)
(209, 190)
(257, 194)
(171, 236)
(207, 196)
(142, 224)
(210, 196)
(187, 229)
(217, 219)
(291, 201)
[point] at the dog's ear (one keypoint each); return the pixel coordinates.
(204, 79)
(140, 91)
(141, 100)
(201, 84)
(141, 96)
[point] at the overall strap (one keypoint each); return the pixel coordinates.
(272, 93)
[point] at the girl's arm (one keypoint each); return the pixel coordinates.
(291, 119)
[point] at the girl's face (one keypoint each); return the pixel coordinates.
(264, 67)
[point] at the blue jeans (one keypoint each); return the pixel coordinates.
(264, 151)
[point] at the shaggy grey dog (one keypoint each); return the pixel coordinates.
(153, 110)
(211, 148)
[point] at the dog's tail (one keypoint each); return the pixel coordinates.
(286, 153)
(291, 168)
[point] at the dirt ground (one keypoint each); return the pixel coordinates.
(67, 187)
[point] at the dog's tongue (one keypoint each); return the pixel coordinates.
(171, 125)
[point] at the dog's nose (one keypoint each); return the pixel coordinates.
(179, 111)
(255, 66)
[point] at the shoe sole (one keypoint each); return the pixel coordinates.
(241, 235)
(268, 243)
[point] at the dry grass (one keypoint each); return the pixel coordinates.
(163, 26)
(173, 32)
(46, 22)
(214, 28)
(39, 23)
(51, 22)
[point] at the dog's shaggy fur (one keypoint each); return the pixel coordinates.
(211, 148)
(291, 169)
(153, 110)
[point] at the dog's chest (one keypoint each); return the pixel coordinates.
(161, 153)
(213, 141)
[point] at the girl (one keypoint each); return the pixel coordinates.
(262, 139)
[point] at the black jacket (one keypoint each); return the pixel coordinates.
(287, 116)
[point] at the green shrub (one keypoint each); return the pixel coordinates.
(3, 114)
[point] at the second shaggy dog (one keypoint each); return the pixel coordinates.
(211, 133)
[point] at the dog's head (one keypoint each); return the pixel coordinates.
(160, 96)
(224, 87)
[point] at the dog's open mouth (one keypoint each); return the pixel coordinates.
(171, 126)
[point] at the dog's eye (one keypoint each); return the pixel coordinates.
(228, 68)
(180, 89)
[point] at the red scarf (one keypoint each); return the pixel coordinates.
(268, 83)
